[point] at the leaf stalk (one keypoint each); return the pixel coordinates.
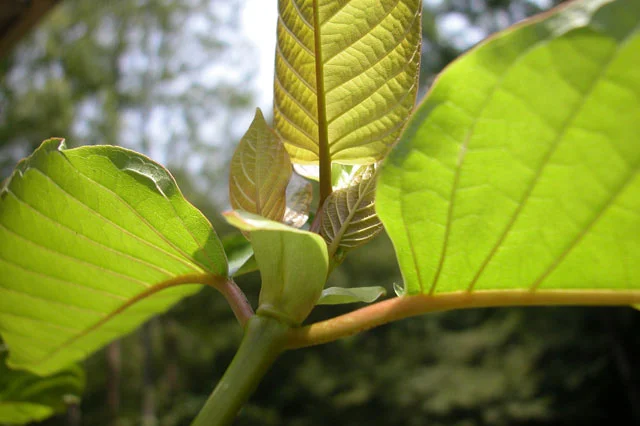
(408, 306)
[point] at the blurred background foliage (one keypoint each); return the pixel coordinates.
(171, 78)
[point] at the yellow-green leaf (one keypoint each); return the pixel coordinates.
(346, 77)
(260, 171)
(93, 242)
(520, 172)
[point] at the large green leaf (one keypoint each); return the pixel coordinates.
(25, 397)
(346, 77)
(260, 171)
(85, 233)
(520, 169)
(293, 266)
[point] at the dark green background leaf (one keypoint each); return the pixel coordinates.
(25, 397)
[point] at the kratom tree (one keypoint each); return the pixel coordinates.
(515, 182)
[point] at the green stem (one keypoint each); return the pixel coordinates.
(263, 341)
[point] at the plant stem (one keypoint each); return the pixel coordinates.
(408, 306)
(263, 341)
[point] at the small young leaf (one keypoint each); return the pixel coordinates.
(293, 266)
(87, 238)
(349, 217)
(340, 295)
(260, 171)
(25, 397)
(299, 198)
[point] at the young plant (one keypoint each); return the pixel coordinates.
(515, 182)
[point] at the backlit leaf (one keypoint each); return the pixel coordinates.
(520, 169)
(260, 171)
(85, 233)
(346, 77)
(349, 217)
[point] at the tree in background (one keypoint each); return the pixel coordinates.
(144, 74)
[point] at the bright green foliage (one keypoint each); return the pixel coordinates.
(293, 266)
(349, 218)
(340, 295)
(346, 77)
(520, 169)
(84, 232)
(260, 171)
(25, 397)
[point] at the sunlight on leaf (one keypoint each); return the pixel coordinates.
(520, 169)
(346, 77)
(83, 233)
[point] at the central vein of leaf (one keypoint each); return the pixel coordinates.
(324, 157)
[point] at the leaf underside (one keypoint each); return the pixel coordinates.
(299, 198)
(259, 173)
(520, 169)
(83, 232)
(349, 217)
(25, 397)
(346, 76)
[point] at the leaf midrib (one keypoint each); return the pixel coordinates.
(191, 279)
(324, 156)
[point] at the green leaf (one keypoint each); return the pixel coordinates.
(293, 266)
(340, 295)
(260, 171)
(25, 397)
(87, 236)
(520, 169)
(346, 77)
(349, 217)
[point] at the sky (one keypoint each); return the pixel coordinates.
(259, 18)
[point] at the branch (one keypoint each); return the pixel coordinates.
(408, 306)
